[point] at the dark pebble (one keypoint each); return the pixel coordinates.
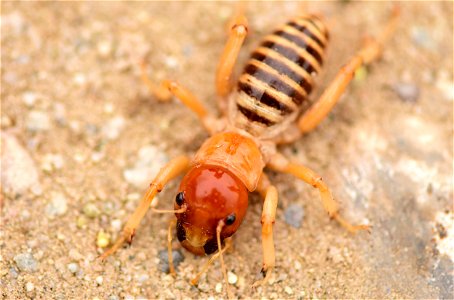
(164, 260)
(407, 92)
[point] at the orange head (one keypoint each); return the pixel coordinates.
(210, 194)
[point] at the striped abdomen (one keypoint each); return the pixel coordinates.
(279, 75)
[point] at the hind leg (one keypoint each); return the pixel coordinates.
(370, 52)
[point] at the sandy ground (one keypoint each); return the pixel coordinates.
(81, 138)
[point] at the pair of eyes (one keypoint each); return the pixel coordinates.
(229, 220)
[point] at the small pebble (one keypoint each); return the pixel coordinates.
(148, 164)
(294, 215)
(38, 121)
(91, 210)
(29, 286)
(81, 222)
(177, 257)
(29, 98)
(218, 287)
(112, 129)
(407, 92)
(73, 268)
(232, 278)
(26, 262)
(288, 290)
(360, 74)
(103, 239)
(19, 172)
(115, 225)
(99, 280)
(142, 278)
(57, 206)
(113, 297)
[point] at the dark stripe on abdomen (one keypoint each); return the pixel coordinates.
(253, 116)
(264, 97)
(283, 69)
(290, 54)
(301, 43)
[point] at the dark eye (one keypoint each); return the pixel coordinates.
(230, 219)
(180, 198)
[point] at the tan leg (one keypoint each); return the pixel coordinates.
(172, 225)
(268, 219)
(174, 168)
(369, 53)
(280, 163)
(237, 34)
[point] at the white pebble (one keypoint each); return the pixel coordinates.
(80, 79)
(18, 168)
(38, 121)
(116, 225)
(29, 287)
(232, 278)
(112, 129)
(148, 164)
(29, 98)
(288, 290)
(57, 206)
(99, 280)
(218, 287)
(73, 268)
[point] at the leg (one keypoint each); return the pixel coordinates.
(174, 168)
(166, 89)
(172, 224)
(238, 32)
(280, 163)
(268, 219)
(369, 53)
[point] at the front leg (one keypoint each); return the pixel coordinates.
(280, 163)
(268, 219)
(174, 168)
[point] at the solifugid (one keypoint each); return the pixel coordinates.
(268, 106)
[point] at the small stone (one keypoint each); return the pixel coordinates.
(26, 262)
(360, 74)
(113, 297)
(177, 257)
(52, 162)
(171, 62)
(99, 280)
(112, 129)
(148, 164)
(80, 79)
(407, 92)
(218, 287)
(288, 290)
(18, 168)
(142, 278)
(73, 268)
(29, 98)
(104, 48)
(103, 239)
(81, 222)
(38, 121)
(116, 225)
(57, 206)
(29, 286)
(91, 210)
(294, 215)
(232, 278)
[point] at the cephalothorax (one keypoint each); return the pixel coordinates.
(269, 106)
